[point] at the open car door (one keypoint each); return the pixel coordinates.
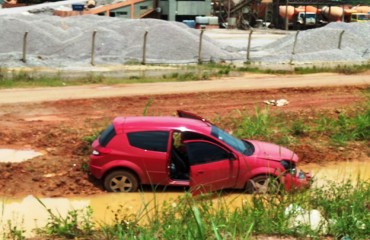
(184, 114)
(212, 167)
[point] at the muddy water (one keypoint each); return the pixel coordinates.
(339, 172)
(28, 213)
(15, 156)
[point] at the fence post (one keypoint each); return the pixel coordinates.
(93, 49)
(249, 44)
(294, 45)
(286, 22)
(24, 47)
(340, 39)
(200, 46)
(144, 48)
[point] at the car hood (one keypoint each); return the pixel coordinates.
(272, 151)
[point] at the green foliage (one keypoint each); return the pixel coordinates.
(355, 128)
(343, 207)
(90, 139)
(85, 166)
(274, 127)
(124, 226)
(75, 224)
(14, 232)
(299, 128)
(147, 106)
(92, 78)
(346, 207)
(9, 79)
(345, 69)
(257, 126)
(2, 74)
(189, 76)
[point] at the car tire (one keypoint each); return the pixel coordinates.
(121, 181)
(263, 184)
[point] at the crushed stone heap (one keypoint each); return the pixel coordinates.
(63, 42)
(321, 45)
(55, 41)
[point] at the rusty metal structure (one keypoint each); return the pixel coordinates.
(277, 21)
(243, 13)
(247, 13)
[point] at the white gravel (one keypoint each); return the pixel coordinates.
(60, 41)
(63, 42)
(321, 45)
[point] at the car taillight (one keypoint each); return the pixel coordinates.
(101, 151)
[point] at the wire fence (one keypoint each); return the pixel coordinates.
(199, 59)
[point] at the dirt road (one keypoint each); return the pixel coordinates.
(54, 121)
(245, 82)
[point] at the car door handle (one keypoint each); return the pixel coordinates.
(200, 172)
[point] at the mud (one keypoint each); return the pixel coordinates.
(60, 129)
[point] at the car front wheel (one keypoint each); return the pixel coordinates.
(121, 181)
(263, 184)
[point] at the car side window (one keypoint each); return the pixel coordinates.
(149, 140)
(203, 152)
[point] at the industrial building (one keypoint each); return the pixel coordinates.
(243, 14)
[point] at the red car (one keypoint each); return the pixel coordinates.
(189, 151)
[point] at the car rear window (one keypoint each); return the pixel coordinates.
(107, 135)
(149, 140)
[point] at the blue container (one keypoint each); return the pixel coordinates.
(78, 7)
(189, 23)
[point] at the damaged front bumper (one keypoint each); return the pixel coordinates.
(299, 180)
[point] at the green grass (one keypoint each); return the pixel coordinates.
(344, 69)
(13, 79)
(76, 223)
(337, 130)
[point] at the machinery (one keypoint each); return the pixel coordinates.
(301, 17)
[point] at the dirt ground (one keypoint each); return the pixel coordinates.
(57, 127)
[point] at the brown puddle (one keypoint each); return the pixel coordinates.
(339, 172)
(28, 213)
(16, 156)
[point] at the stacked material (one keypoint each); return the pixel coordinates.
(321, 45)
(63, 42)
(55, 41)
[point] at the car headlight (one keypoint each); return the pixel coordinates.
(289, 166)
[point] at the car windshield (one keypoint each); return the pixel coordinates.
(243, 147)
(309, 15)
(361, 17)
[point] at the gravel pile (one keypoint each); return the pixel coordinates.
(55, 41)
(321, 45)
(64, 42)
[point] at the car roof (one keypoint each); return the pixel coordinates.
(161, 123)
